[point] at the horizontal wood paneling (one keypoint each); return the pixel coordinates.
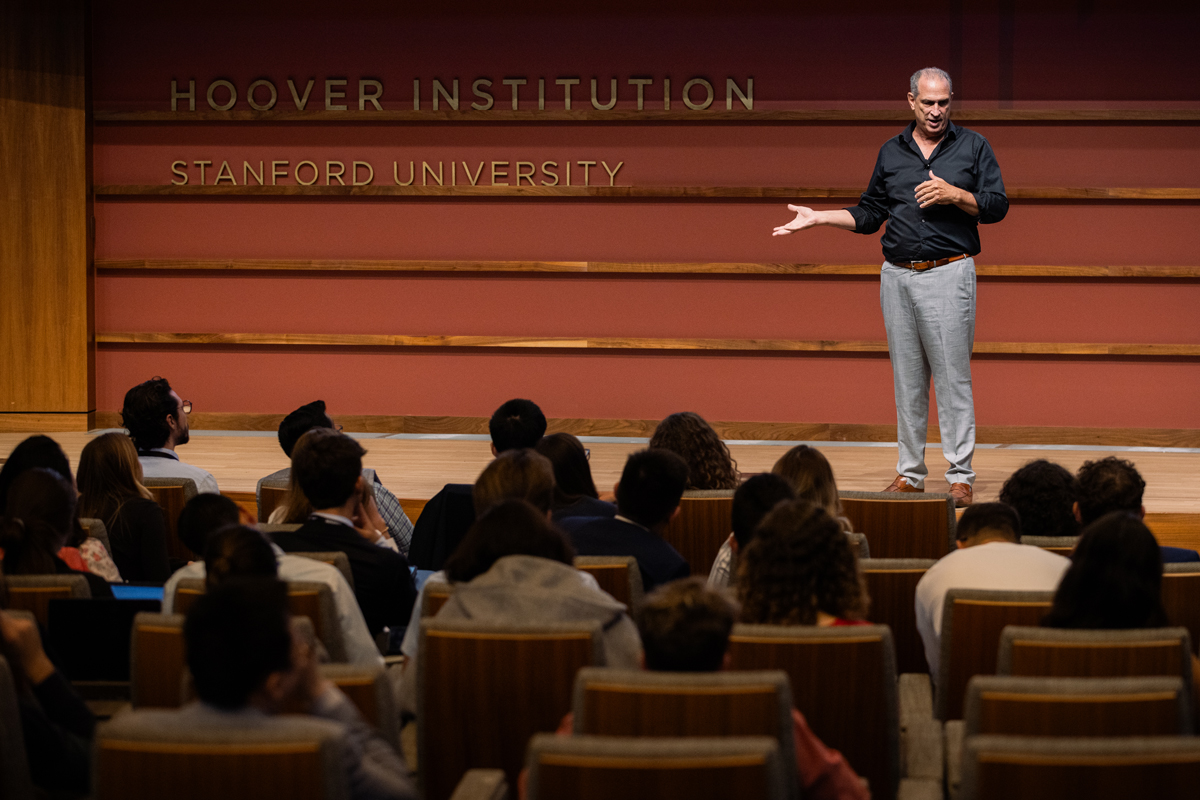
(321, 116)
(767, 431)
(614, 267)
(37, 423)
(1037, 193)
(615, 343)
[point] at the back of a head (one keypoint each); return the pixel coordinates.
(986, 522)
(237, 551)
(1043, 494)
(753, 500)
(512, 527)
(798, 563)
(521, 474)
(236, 635)
(33, 452)
(39, 518)
(145, 413)
(1115, 578)
(572, 473)
(651, 485)
(327, 465)
(685, 627)
(108, 475)
(811, 476)
(517, 423)
(1110, 484)
(301, 421)
(710, 466)
(203, 516)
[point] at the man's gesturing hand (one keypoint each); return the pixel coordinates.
(805, 218)
(936, 191)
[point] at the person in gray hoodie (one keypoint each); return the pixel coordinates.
(514, 566)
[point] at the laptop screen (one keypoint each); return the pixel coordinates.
(123, 591)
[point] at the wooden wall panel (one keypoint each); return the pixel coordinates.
(46, 323)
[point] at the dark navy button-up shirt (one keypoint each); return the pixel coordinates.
(963, 159)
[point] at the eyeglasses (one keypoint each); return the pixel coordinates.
(587, 453)
(186, 406)
(337, 427)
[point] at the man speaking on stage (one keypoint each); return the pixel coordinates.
(933, 184)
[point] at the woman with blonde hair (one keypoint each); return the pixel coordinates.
(710, 465)
(809, 473)
(111, 490)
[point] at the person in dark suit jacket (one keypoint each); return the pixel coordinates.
(328, 467)
(647, 500)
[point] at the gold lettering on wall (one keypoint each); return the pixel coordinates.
(687, 88)
(478, 92)
(746, 98)
(248, 172)
(396, 174)
(612, 173)
(451, 99)
(586, 165)
(315, 173)
(202, 165)
(567, 83)
(499, 174)
(372, 96)
(548, 168)
(275, 171)
(224, 174)
(526, 175)
(354, 173)
(474, 179)
(330, 174)
(267, 106)
(514, 83)
(301, 100)
(212, 89)
(177, 95)
(427, 170)
(331, 94)
(641, 84)
(175, 170)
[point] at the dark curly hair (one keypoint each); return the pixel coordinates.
(145, 413)
(710, 466)
(798, 563)
(1110, 484)
(1043, 494)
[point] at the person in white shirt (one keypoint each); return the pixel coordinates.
(205, 514)
(989, 556)
(157, 421)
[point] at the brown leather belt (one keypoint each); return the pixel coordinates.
(921, 266)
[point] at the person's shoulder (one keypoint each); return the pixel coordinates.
(302, 568)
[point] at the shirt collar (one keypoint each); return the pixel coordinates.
(907, 135)
(631, 522)
(338, 518)
(159, 452)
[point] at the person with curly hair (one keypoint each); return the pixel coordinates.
(710, 466)
(157, 421)
(1043, 494)
(1113, 484)
(800, 569)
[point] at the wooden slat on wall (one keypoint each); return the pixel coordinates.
(627, 343)
(619, 267)
(46, 322)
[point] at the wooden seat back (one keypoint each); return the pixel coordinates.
(617, 575)
(972, 620)
(704, 522)
(1063, 545)
(33, 593)
(334, 558)
(902, 525)
(434, 596)
(157, 661)
(844, 682)
(172, 495)
(1181, 597)
(269, 498)
(1060, 653)
(483, 691)
(892, 587)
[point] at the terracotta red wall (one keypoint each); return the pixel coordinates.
(1026, 55)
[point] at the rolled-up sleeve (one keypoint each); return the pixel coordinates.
(872, 209)
(989, 196)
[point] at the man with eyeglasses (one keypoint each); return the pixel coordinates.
(157, 421)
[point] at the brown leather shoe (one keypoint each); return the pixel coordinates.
(901, 484)
(961, 492)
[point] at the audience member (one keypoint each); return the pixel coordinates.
(648, 497)
(800, 569)
(81, 552)
(301, 421)
(56, 724)
(157, 421)
(206, 514)
(328, 468)
(248, 663)
(1112, 484)
(237, 551)
(111, 490)
(811, 476)
(517, 424)
(39, 520)
(751, 502)
(989, 556)
(685, 627)
(515, 567)
(575, 492)
(1043, 494)
(710, 466)
(522, 474)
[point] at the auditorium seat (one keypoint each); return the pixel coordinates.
(704, 523)
(152, 754)
(902, 525)
(434, 596)
(269, 494)
(33, 593)
(96, 529)
(892, 587)
(483, 690)
(334, 558)
(305, 599)
(617, 575)
(1181, 597)
(482, 784)
(172, 494)
(602, 767)
(1063, 653)
(862, 548)
(15, 781)
(844, 681)
(639, 703)
(1063, 545)
(1047, 768)
(370, 690)
(972, 620)
(157, 662)
(1032, 706)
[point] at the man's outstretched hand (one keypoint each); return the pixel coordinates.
(805, 218)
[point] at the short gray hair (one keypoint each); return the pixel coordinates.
(932, 72)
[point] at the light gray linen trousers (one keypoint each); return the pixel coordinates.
(930, 319)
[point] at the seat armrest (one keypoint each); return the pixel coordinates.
(919, 789)
(922, 750)
(916, 698)
(954, 751)
(481, 784)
